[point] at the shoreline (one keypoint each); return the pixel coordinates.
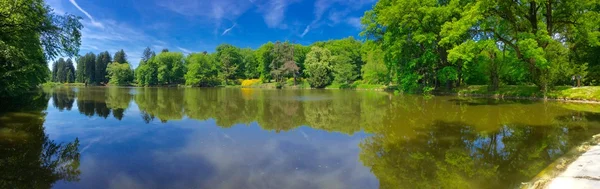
(526, 98)
(555, 174)
(513, 92)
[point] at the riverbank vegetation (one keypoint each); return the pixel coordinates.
(32, 33)
(590, 93)
(440, 46)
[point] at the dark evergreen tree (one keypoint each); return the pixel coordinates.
(70, 71)
(102, 62)
(120, 57)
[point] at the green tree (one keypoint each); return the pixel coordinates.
(120, 73)
(54, 70)
(265, 58)
(374, 71)
(102, 61)
(120, 57)
(231, 62)
(251, 63)
(31, 34)
(61, 72)
(70, 71)
(147, 54)
(539, 33)
(89, 71)
(344, 72)
(170, 67)
(318, 67)
(203, 70)
(348, 49)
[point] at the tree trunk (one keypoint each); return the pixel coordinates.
(494, 79)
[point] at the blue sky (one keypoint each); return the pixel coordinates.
(200, 25)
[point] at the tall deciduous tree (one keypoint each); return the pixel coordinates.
(265, 58)
(318, 67)
(120, 73)
(31, 34)
(231, 63)
(170, 67)
(203, 70)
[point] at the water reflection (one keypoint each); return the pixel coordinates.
(28, 158)
(366, 139)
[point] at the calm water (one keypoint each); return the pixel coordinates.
(249, 138)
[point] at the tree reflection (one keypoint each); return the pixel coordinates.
(63, 98)
(28, 158)
(414, 142)
(455, 155)
(163, 103)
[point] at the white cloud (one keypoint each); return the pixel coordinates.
(274, 12)
(214, 11)
(228, 29)
(93, 21)
(354, 22)
(306, 30)
(336, 16)
(184, 50)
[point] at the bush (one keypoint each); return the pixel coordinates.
(251, 82)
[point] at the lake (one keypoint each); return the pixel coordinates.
(109, 137)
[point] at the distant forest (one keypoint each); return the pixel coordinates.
(416, 45)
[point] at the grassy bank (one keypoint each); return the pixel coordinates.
(303, 84)
(53, 84)
(590, 93)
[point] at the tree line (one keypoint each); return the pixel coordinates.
(448, 43)
(320, 63)
(439, 46)
(96, 69)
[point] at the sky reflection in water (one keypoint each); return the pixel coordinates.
(245, 138)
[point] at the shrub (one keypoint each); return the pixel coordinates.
(251, 82)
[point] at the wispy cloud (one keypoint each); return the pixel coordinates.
(214, 11)
(228, 29)
(306, 30)
(274, 12)
(336, 16)
(354, 22)
(184, 50)
(93, 21)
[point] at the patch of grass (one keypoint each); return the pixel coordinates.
(55, 84)
(357, 85)
(579, 93)
(565, 93)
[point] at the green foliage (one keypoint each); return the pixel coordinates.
(102, 61)
(202, 70)
(63, 71)
(231, 62)
(449, 43)
(120, 57)
(264, 57)
(31, 34)
(170, 67)
(318, 67)
(251, 63)
(344, 71)
(86, 69)
(120, 73)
